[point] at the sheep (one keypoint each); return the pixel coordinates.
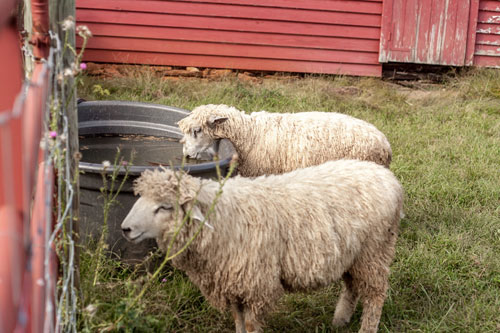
(297, 231)
(274, 143)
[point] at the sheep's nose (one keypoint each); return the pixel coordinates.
(126, 231)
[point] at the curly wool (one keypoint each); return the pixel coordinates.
(297, 231)
(274, 143)
(164, 186)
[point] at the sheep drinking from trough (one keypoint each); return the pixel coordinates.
(274, 143)
(297, 231)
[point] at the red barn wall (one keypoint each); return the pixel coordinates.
(487, 47)
(311, 36)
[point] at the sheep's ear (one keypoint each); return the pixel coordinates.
(196, 214)
(215, 120)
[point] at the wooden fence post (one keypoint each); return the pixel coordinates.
(61, 10)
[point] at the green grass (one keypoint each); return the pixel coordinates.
(446, 153)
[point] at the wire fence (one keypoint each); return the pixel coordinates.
(61, 296)
(60, 299)
(62, 237)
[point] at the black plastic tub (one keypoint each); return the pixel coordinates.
(150, 130)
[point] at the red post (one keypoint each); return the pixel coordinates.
(11, 186)
(39, 241)
(11, 268)
(10, 127)
(22, 272)
(40, 37)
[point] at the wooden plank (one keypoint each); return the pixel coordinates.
(167, 20)
(234, 11)
(488, 17)
(398, 40)
(471, 33)
(488, 28)
(232, 62)
(231, 50)
(486, 39)
(360, 6)
(385, 31)
(234, 37)
(456, 18)
(489, 5)
(425, 40)
(490, 50)
(435, 29)
(487, 61)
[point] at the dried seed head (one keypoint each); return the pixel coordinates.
(68, 23)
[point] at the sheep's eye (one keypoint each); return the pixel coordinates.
(196, 131)
(162, 207)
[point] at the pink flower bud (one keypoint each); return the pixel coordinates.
(83, 66)
(53, 134)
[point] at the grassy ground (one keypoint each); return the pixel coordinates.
(446, 146)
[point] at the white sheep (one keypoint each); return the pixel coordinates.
(274, 143)
(297, 231)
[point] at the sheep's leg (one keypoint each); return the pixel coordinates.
(346, 303)
(239, 318)
(370, 278)
(372, 310)
(252, 324)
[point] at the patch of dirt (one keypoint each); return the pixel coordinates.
(420, 92)
(178, 73)
(105, 70)
(345, 90)
(417, 95)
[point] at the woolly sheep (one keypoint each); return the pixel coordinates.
(293, 232)
(274, 143)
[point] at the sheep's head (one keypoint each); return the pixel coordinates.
(201, 138)
(165, 198)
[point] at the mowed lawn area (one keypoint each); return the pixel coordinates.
(446, 152)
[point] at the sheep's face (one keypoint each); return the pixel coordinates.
(165, 196)
(198, 144)
(199, 139)
(146, 220)
(150, 219)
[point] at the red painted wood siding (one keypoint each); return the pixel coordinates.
(487, 51)
(426, 31)
(315, 36)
